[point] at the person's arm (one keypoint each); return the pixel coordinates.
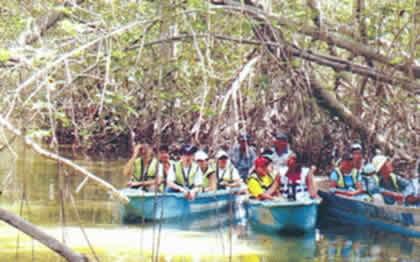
(264, 196)
(407, 188)
(313, 191)
(234, 156)
(274, 187)
(397, 196)
(151, 182)
(171, 182)
(359, 190)
(128, 168)
(412, 200)
(212, 182)
(198, 183)
(236, 179)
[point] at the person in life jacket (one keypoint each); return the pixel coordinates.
(165, 164)
(416, 184)
(357, 155)
(393, 188)
(281, 151)
(225, 175)
(185, 175)
(346, 180)
(207, 168)
(143, 169)
(242, 156)
(296, 182)
(260, 180)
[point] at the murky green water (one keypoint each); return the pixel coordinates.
(89, 222)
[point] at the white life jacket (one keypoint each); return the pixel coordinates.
(295, 191)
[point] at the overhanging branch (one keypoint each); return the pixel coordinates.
(326, 35)
(336, 63)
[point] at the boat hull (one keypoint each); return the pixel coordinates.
(172, 206)
(283, 216)
(395, 219)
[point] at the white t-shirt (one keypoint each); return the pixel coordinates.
(280, 161)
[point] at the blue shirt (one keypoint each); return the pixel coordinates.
(243, 162)
(405, 188)
(349, 184)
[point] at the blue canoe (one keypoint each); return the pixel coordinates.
(152, 206)
(389, 218)
(283, 216)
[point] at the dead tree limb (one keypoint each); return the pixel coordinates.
(65, 161)
(31, 230)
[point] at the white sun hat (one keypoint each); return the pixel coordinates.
(221, 153)
(378, 162)
(201, 155)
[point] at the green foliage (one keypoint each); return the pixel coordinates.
(167, 78)
(4, 55)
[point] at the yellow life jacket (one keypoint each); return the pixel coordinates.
(162, 186)
(340, 181)
(227, 175)
(260, 181)
(183, 179)
(393, 180)
(142, 173)
(210, 169)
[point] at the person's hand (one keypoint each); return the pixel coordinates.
(224, 183)
(134, 184)
(280, 198)
(317, 197)
(137, 150)
(191, 195)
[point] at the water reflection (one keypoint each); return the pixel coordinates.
(345, 243)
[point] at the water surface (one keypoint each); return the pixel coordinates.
(89, 222)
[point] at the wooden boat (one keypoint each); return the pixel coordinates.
(283, 216)
(152, 206)
(346, 210)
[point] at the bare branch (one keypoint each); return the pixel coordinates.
(63, 160)
(326, 35)
(33, 231)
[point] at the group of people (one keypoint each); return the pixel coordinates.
(374, 181)
(278, 172)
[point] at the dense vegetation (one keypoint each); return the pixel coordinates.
(101, 75)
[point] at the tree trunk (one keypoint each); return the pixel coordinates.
(34, 232)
